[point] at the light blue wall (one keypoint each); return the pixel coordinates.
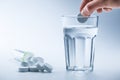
(35, 25)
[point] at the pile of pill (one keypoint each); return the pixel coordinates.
(29, 63)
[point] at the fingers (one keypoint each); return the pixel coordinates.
(107, 9)
(91, 7)
(84, 2)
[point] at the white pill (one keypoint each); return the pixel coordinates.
(40, 67)
(33, 69)
(26, 55)
(38, 59)
(31, 63)
(24, 64)
(29, 58)
(48, 67)
(23, 69)
(82, 19)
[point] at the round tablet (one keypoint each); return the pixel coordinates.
(33, 69)
(31, 63)
(81, 19)
(40, 67)
(38, 59)
(48, 67)
(23, 69)
(24, 64)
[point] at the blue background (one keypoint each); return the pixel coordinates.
(36, 26)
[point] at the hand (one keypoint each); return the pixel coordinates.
(89, 6)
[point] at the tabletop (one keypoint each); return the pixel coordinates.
(104, 69)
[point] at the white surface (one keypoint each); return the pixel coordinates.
(106, 67)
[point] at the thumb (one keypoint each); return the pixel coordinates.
(91, 7)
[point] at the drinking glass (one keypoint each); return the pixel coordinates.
(79, 42)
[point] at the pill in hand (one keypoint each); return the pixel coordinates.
(81, 19)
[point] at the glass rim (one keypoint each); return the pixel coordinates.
(75, 16)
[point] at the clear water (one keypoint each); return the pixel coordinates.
(79, 47)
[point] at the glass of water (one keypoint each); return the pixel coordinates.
(79, 42)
